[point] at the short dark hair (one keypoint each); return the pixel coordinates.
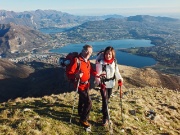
(85, 47)
(110, 48)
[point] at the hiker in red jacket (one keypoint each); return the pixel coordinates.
(83, 73)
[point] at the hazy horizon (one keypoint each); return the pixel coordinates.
(97, 8)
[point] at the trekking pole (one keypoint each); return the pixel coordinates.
(120, 92)
(74, 99)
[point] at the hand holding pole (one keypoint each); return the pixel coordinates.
(120, 85)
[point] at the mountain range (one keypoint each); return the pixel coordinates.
(16, 39)
(46, 18)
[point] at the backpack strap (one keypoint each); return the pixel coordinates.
(103, 67)
(115, 61)
(78, 63)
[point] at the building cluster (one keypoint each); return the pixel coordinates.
(49, 58)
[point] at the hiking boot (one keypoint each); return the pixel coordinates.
(85, 123)
(105, 121)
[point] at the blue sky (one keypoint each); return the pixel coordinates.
(97, 7)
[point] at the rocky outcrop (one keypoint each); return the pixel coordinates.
(19, 39)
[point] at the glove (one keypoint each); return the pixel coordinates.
(120, 83)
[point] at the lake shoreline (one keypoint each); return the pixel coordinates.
(122, 57)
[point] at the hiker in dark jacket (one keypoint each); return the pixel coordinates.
(85, 104)
(106, 64)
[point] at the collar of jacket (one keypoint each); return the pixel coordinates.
(82, 58)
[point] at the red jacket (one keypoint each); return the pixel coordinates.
(86, 68)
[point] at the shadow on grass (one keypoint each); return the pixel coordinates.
(46, 80)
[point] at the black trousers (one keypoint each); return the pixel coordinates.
(84, 105)
(105, 98)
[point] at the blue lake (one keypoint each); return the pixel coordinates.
(122, 57)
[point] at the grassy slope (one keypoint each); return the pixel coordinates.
(145, 90)
(51, 114)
